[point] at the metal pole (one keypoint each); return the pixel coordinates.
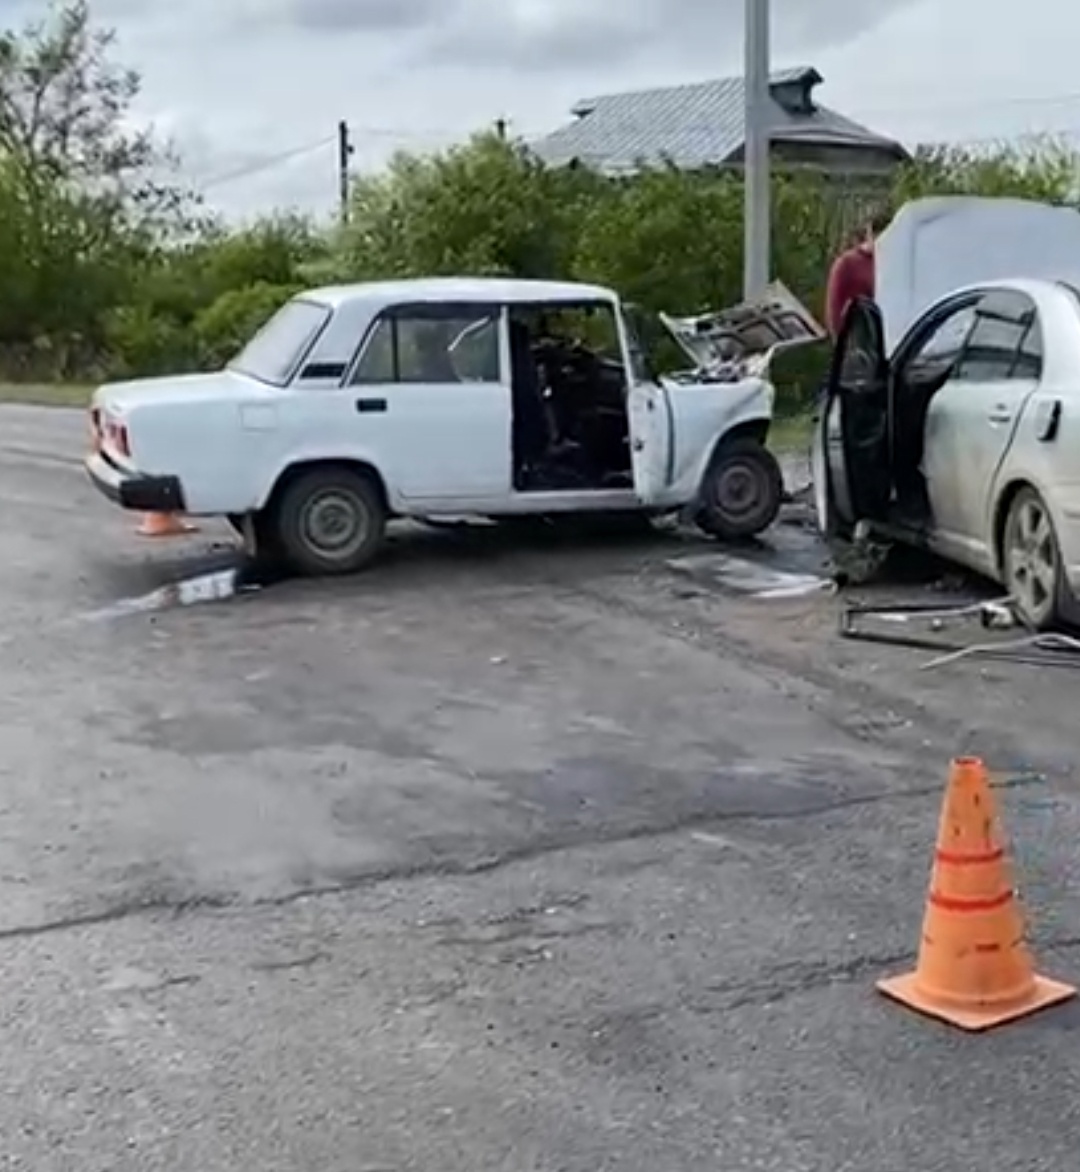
(756, 157)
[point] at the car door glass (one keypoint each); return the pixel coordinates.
(474, 349)
(1029, 359)
(936, 356)
(860, 358)
(377, 364)
(429, 347)
(1005, 343)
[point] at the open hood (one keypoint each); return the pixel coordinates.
(937, 246)
(741, 341)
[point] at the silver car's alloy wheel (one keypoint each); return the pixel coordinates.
(1032, 561)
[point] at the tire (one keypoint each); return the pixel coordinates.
(329, 521)
(1031, 562)
(741, 492)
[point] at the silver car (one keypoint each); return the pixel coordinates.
(951, 418)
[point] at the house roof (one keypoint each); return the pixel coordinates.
(693, 126)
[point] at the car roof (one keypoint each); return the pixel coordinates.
(1035, 287)
(458, 289)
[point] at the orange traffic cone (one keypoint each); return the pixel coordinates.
(164, 525)
(974, 969)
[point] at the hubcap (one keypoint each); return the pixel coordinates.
(738, 490)
(334, 523)
(1033, 559)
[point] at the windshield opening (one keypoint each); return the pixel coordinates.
(278, 348)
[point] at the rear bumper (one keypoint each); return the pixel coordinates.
(132, 490)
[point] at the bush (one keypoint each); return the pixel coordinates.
(222, 328)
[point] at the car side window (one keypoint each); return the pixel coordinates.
(431, 345)
(937, 353)
(377, 362)
(1006, 341)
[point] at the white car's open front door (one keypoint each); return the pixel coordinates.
(650, 441)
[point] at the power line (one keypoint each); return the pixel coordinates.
(348, 132)
(265, 164)
(359, 130)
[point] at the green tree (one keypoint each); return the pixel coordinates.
(80, 207)
(486, 207)
(64, 106)
(1045, 169)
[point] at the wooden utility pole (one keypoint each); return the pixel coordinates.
(345, 152)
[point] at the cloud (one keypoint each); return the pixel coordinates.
(545, 36)
(242, 85)
(363, 15)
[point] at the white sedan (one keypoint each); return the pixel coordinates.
(951, 419)
(428, 398)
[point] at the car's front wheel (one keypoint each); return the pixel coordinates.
(742, 491)
(330, 521)
(1031, 562)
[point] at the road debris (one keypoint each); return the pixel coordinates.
(1043, 650)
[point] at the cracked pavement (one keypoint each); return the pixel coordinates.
(501, 856)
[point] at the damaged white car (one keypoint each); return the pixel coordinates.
(952, 415)
(449, 397)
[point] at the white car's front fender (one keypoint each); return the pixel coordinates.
(706, 415)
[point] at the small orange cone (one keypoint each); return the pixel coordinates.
(164, 525)
(974, 970)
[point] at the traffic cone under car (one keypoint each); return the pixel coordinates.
(164, 525)
(974, 969)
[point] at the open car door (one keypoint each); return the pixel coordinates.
(650, 440)
(850, 458)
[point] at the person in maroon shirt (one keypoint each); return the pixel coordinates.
(852, 275)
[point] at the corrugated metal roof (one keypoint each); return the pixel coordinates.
(691, 126)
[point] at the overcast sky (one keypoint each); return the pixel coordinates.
(240, 82)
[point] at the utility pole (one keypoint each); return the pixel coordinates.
(756, 214)
(500, 128)
(345, 152)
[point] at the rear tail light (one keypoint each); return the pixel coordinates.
(117, 436)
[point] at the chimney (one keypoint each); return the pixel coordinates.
(794, 92)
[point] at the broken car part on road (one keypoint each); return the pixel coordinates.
(1034, 649)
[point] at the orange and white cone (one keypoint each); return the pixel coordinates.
(974, 969)
(164, 525)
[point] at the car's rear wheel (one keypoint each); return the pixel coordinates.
(330, 521)
(742, 491)
(1031, 561)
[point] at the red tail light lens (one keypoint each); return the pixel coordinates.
(117, 436)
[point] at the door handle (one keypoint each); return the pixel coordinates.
(371, 406)
(1000, 414)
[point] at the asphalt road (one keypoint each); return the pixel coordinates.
(501, 856)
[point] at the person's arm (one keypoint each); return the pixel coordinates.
(836, 296)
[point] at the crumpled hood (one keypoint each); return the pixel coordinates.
(937, 246)
(219, 386)
(741, 341)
